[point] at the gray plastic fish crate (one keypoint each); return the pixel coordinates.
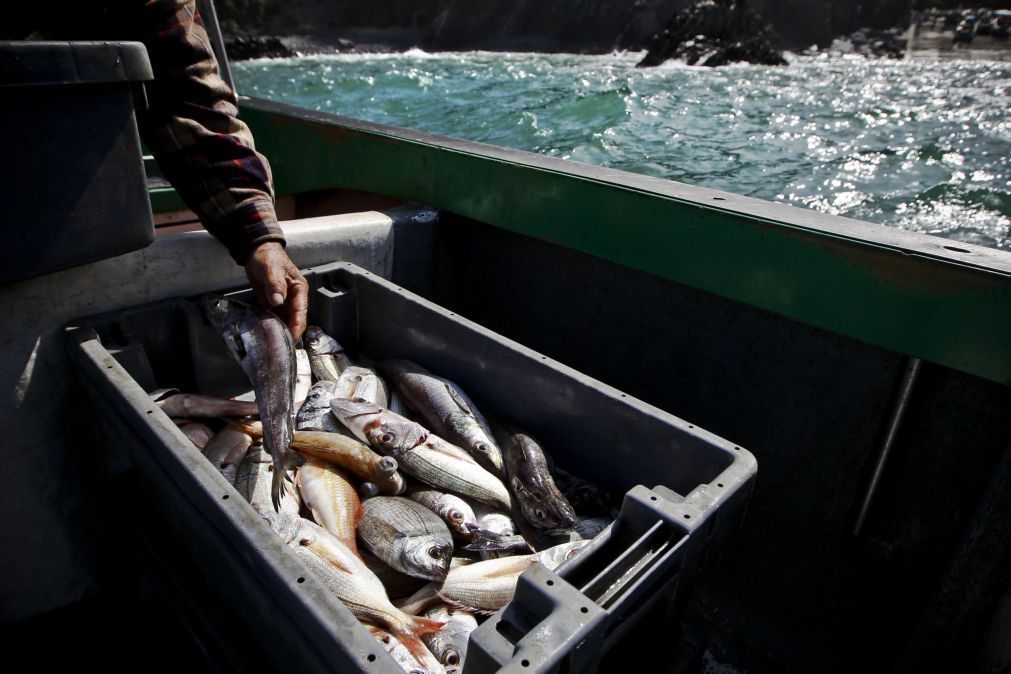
(681, 484)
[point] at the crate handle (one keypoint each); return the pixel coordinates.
(565, 621)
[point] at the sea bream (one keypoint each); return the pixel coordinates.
(445, 408)
(420, 453)
(262, 345)
(406, 535)
(346, 576)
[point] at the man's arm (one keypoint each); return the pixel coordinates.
(208, 155)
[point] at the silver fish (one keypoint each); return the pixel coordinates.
(446, 409)
(449, 645)
(407, 536)
(303, 377)
(198, 433)
(501, 536)
(262, 345)
(428, 664)
(421, 454)
(455, 512)
(254, 478)
(362, 383)
(315, 414)
(554, 556)
(534, 491)
(485, 586)
(346, 576)
(226, 449)
(326, 355)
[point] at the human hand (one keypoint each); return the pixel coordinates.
(279, 285)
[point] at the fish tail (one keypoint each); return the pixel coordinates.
(410, 637)
(278, 489)
(483, 539)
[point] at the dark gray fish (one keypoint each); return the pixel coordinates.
(587, 529)
(588, 499)
(315, 414)
(326, 356)
(534, 492)
(446, 409)
(406, 535)
(262, 345)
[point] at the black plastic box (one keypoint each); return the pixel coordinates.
(72, 175)
(682, 485)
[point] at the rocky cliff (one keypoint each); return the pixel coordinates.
(586, 26)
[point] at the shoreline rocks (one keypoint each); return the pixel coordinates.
(715, 33)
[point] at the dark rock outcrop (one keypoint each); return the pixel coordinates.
(715, 33)
(582, 26)
(241, 47)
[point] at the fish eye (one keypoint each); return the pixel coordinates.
(456, 515)
(540, 514)
(482, 447)
(436, 552)
(387, 438)
(451, 656)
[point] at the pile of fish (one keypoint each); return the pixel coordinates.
(387, 482)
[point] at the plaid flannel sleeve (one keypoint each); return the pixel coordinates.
(192, 129)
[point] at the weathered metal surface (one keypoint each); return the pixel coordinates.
(922, 296)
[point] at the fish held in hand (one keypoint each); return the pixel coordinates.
(261, 343)
(446, 409)
(326, 355)
(421, 454)
(346, 576)
(534, 491)
(331, 498)
(407, 536)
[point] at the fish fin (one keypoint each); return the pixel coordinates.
(463, 607)
(323, 554)
(410, 637)
(415, 645)
(485, 540)
(277, 489)
(457, 398)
